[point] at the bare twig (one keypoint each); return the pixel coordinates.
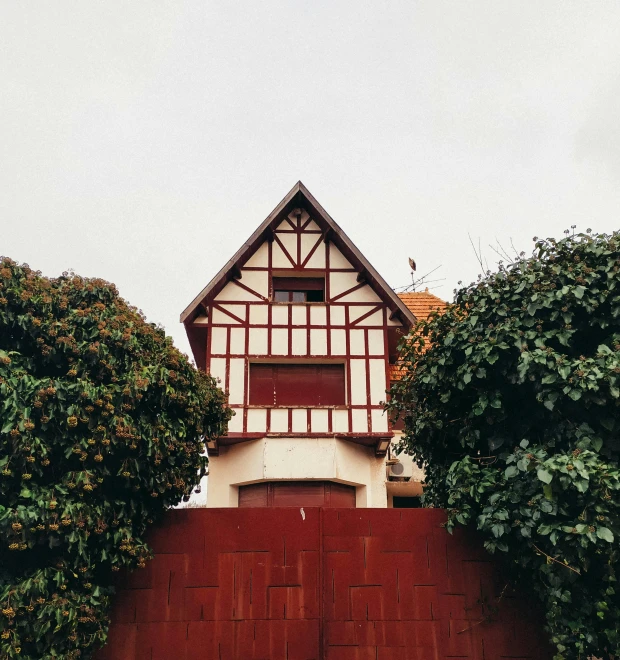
(476, 252)
(557, 561)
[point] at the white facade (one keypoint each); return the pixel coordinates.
(237, 322)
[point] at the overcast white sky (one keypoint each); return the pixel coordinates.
(143, 142)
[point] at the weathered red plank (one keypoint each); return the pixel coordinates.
(264, 584)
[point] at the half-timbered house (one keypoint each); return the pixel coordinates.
(302, 333)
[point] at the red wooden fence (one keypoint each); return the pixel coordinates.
(334, 584)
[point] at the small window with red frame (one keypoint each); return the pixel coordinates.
(299, 289)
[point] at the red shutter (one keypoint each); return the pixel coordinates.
(253, 495)
(297, 385)
(262, 385)
(331, 386)
(299, 283)
(298, 493)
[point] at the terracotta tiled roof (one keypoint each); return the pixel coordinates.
(395, 370)
(421, 303)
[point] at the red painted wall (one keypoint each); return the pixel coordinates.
(334, 584)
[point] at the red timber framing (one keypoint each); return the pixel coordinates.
(234, 323)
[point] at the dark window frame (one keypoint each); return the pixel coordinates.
(298, 289)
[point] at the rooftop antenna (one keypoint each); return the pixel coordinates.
(422, 281)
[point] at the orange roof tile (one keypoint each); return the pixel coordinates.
(422, 303)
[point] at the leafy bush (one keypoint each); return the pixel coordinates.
(510, 401)
(101, 421)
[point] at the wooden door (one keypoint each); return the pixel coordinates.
(297, 493)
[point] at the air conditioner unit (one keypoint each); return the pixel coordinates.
(397, 471)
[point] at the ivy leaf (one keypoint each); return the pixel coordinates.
(544, 476)
(605, 534)
(511, 471)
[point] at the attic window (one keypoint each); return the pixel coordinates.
(298, 289)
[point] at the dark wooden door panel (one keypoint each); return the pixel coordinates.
(253, 495)
(297, 493)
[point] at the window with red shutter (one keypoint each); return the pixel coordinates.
(298, 289)
(297, 385)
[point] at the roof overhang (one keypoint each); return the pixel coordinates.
(300, 196)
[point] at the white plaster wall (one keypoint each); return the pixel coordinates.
(270, 459)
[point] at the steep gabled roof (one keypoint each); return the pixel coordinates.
(300, 196)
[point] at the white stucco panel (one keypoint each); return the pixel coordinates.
(258, 341)
(259, 314)
(312, 226)
(279, 341)
(355, 311)
(237, 341)
(278, 258)
(235, 310)
(317, 260)
(260, 259)
(299, 315)
(373, 319)
(376, 342)
(308, 241)
(290, 245)
(300, 420)
(340, 421)
(318, 341)
(257, 420)
(235, 425)
(233, 292)
(318, 315)
(279, 314)
(219, 317)
(257, 280)
(300, 458)
(299, 340)
(217, 368)
(279, 420)
(236, 385)
(338, 342)
(319, 420)
(219, 340)
(364, 294)
(357, 345)
(336, 258)
(377, 381)
(341, 282)
(359, 419)
(379, 421)
(336, 314)
(358, 382)
(285, 225)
